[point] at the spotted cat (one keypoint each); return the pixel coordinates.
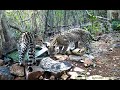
(73, 35)
(26, 43)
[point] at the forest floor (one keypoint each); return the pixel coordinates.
(107, 56)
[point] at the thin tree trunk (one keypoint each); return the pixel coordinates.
(65, 19)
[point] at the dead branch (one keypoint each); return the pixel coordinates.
(98, 16)
(59, 26)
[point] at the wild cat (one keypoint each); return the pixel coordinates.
(73, 35)
(26, 44)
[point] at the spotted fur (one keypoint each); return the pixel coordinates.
(26, 44)
(73, 35)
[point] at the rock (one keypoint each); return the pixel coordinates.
(77, 69)
(17, 70)
(78, 51)
(19, 78)
(1, 62)
(98, 77)
(34, 75)
(52, 77)
(88, 73)
(87, 62)
(75, 58)
(64, 77)
(5, 73)
(50, 65)
(89, 56)
(61, 57)
(34, 72)
(41, 78)
(73, 75)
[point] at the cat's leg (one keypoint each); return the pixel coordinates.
(65, 49)
(76, 44)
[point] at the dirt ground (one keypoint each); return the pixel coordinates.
(107, 56)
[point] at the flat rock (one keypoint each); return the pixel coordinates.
(98, 77)
(5, 73)
(77, 69)
(78, 51)
(53, 66)
(17, 70)
(61, 57)
(89, 56)
(75, 58)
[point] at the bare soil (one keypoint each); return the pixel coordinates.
(107, 57)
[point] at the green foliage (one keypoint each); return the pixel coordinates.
(94, 26)
(23, 19)
(116, 24)
(92, 18)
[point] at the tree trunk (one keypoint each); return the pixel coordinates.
(65, 19)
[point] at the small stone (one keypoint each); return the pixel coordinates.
(78, 51)
(61, 57)
(87, 62)
(41, 78)
(75, 58)
(77, 69)
(90, 70)
(64, 77)
(15, 69)
(94, 65)
(89, 56)
(98, 77)
(52, 77)
(88, 73)
(73, 75)
(34, 75)
(95, 77)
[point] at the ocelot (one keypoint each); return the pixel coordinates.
(75, 35)
(26, 44)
